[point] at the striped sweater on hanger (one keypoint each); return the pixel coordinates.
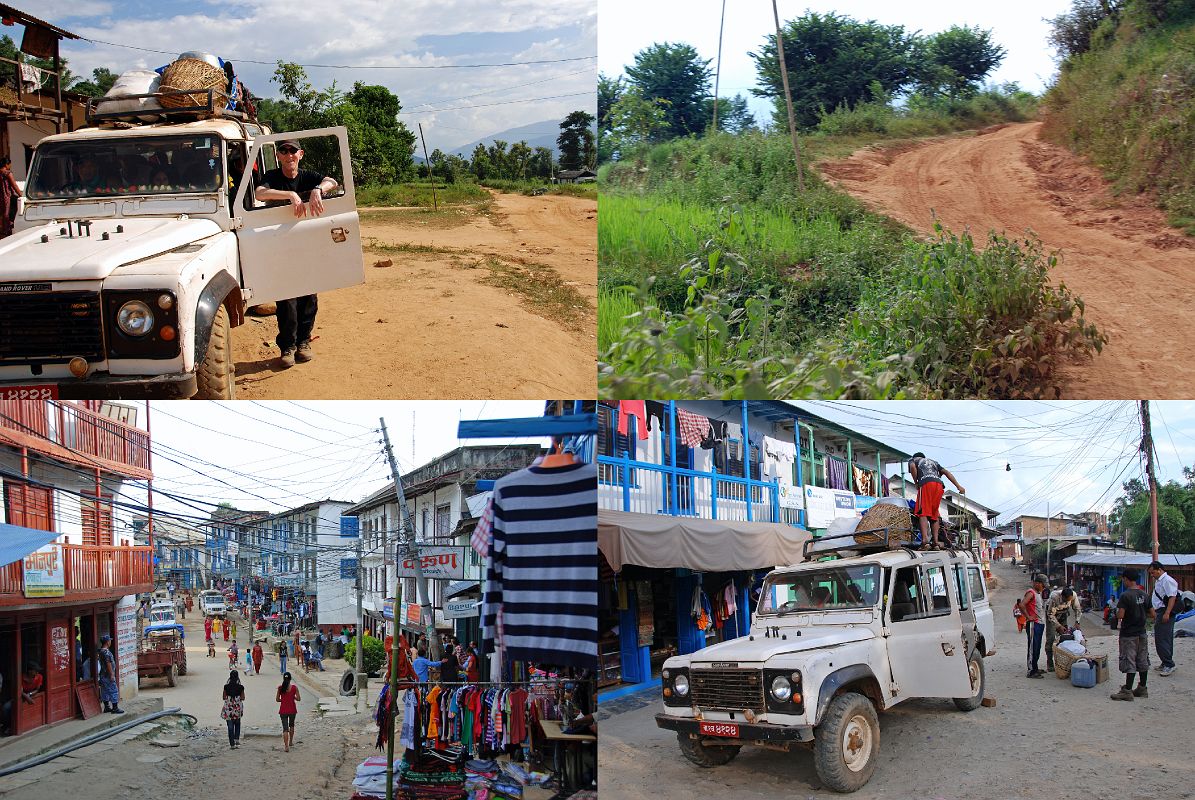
(542, 572)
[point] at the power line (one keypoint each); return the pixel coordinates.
(503, 103)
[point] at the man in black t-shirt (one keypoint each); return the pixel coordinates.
(1132, 611)
(304, 190)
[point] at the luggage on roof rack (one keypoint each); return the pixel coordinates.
(210, 106)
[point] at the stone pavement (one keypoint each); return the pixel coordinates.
(14, 749)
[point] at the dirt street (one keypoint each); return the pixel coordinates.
(1044, 739)
(319, 767)
(494, 301)
(1133, 271)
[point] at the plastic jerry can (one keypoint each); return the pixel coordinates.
(1083, 674)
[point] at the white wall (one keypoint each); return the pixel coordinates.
(336, 598)
(25, 133)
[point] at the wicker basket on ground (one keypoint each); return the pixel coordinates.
(896, 519)
(195, 77)
(1063, 661)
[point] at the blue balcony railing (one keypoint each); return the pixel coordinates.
(625, 484)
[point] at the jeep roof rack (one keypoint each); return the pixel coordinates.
(189, 112)
(822, 546)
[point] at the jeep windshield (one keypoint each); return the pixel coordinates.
(113, 167)
(829, 588)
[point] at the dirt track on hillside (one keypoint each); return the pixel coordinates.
(1134, 272)
(443, 321)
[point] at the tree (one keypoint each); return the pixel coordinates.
(609, 92)
(955, 61)
(733, 114)
(102, 79)
(499, 161)
(575, 142)
(480, 164)
(835, 61)
(520, 154)
(542, 163)
(677, 74)
(1070, 33)
(635, 120)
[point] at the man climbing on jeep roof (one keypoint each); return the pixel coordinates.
(928, 475)
(305, 190)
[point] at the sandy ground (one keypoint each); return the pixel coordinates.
(1134, 272)
(1044, 739)
(429, 326)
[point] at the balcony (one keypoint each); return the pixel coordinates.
(628, 485)
(90, 572)
(75, 434)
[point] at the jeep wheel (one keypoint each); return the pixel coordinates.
(172, 675)
(215, 375)
(975, 668)
(847, 743)
(703, 756)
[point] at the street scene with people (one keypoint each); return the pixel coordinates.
(867, 595)
(380, 622)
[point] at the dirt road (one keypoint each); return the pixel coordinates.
(1044, 739)
(1134, 272)
(494, 301)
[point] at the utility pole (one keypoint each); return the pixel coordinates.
(359, 682)
(406, 531)
(1047, 544)
(718, 71)
(788, 99)
(1147, 447)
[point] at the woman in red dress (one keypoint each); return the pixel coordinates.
(288, 698)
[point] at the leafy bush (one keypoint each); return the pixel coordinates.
(375, 654)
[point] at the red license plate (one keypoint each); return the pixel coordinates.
(718, 729)
(47, 391)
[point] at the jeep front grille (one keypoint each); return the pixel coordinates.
(50, 327)
(727, 689)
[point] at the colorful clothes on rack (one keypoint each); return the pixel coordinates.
(691, 429)
(636, 408)
(542, 572)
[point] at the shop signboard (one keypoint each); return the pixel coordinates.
(461, 609)
(44, 572)
(126, 642)
(823, 506)
(447, 563)
(388, 609)
(410, 615)
(863, 502)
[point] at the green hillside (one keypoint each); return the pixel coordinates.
(1125, 97)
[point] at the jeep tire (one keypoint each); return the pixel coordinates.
(978, 683)
(172, 675)
(703, 756)
(215, 375)
(847, 743)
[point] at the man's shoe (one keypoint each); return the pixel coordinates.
(304, 353)
(1049, 666)
(288, 357)
(1123, 694)
(1141, 691)
(116, 710)
(1166, 672)
(1037, 673)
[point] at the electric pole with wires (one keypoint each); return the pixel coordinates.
(1147, 448)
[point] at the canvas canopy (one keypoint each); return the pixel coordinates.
(17, 542)
(704, 545)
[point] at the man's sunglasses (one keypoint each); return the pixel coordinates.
(288, 150)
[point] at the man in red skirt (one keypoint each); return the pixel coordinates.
(928, 474)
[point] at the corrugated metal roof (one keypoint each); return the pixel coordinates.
(1131, 559)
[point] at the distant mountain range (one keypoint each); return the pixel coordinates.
(537, 134)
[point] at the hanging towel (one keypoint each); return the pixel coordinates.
(691, 428)
(638, 408)
(32, 77)
(862, 480)
(731, 608)
(836, 473)
(782, 458)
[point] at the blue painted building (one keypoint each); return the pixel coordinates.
(758, 469)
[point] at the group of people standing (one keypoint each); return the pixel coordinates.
(286, 696)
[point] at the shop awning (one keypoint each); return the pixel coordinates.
(704, 545)
(461, 587)
(17, 542)
(1130, 559)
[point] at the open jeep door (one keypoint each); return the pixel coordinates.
(927, 649)
(284, 256)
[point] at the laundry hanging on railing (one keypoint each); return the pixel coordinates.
(700, 609)
(782, 459)
(863, 480)
(637, 409)
(836, 474)
(691, 429)
(542, 572)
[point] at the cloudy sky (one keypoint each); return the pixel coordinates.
(415, 48)
(1065, 456)
(627, 26)
(278, 455)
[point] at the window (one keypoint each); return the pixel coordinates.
(905, 599)
(978, 588)
(935, 578)
(28, 506)
(97, 519)
(684, 483)
(827, 589)
(614, 444)
(960, 580)
(443, 516)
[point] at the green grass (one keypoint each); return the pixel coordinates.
(528, 187)
(615, 307)
(419, 194)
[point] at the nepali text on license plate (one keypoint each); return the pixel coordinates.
(718, 729)
(43, 392)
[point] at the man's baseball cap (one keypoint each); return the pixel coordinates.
(105, 638)
(290, 143)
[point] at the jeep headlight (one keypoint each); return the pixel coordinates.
(782, 688)
(680, 685)
(135, 318)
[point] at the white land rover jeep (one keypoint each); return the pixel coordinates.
(141, 246)
(831, 644)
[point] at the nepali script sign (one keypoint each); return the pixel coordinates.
(437, 562)
(44, 573)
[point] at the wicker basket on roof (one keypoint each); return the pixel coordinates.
(195, 77)
(896, 519)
